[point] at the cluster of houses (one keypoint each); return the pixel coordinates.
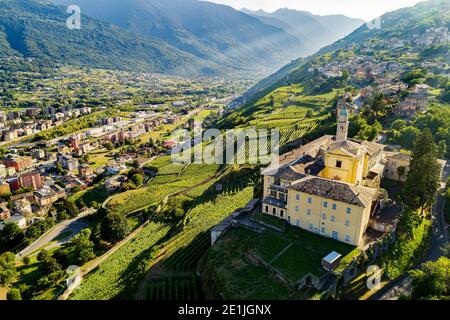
(32, 182)
(30, 194)
(18, 123)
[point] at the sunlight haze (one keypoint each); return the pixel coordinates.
(365, 10)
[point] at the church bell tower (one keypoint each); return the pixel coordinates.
(343, 121)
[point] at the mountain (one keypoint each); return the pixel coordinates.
(401, 26)
(37, 29)
(215, 33)
(313, 30)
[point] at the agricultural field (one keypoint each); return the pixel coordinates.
(183, 252)
(122, 270)
(162, 185)
(119, 274)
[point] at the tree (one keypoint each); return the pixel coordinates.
(432, 281)
(138, 179)
(136, 164)
(109, 146)
(65, 208)
(8, 271)
(422, 181)
(83, 246)
(377, 102)
(345, 75)
(14, 294)
(442, 149)
(114, 227)
(11, 236)
(398, 124)
(407, 136)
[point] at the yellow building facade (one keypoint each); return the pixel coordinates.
(328, 187)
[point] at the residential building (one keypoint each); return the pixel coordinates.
(38, 154)
(5, 213)
(397, 166)
(18, 219)
(3, 173)
(85, 170)
(19, 163)
(23, 207)
(46, 196)
(68, 162)
(31, 180)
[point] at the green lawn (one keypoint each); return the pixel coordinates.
(237, 277)
(269, 220)
(294, 253)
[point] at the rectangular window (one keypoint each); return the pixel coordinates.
(297, 208)
(324, 216)
(325, 204)
(309, 200)
(322, 230)
(338, 164)
(297, 197)
(347, 238)
(349, 210)
(298, 223)
(347, 222)
(335, 235)
(308, 212)
(333, 219)
(311, 226)
(334, 206)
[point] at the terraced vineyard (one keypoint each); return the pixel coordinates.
(186, 249)
(175, 178)
(175, 289)
(120, 272)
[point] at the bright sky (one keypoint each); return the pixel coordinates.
(363, 9)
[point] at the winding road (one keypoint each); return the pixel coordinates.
(402, 285)
(56, 234)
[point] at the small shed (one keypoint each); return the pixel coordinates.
(331, 261)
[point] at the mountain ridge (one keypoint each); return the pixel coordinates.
(37, 29)
(213, 32)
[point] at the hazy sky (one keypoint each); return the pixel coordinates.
(364, 9)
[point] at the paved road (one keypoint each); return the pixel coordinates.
(74, 225)
(402, 285)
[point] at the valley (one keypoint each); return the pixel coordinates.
(91, 120)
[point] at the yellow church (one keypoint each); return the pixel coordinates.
(328, 186)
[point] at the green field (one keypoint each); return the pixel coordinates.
(171, 181)
(119, 275)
